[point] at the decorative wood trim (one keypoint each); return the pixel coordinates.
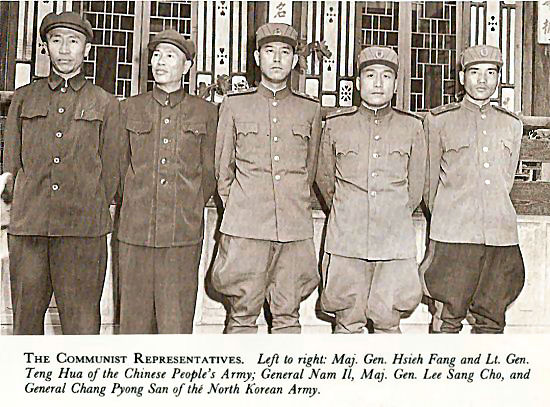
(518, 56)
(527, 61)
(145, 20)
(136, 48)
(194, 37)
(404, 51)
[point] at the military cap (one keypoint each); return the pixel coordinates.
(175, 38)
(67, 19)
(378, 55)
(480, 54)
(271, 32)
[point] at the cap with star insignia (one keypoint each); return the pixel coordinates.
(378, 55)
(272, 32)
(67, 19)
(481, 54)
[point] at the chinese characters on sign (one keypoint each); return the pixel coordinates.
(544, 22)
(280, 12)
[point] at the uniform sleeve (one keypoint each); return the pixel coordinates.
(12, 145)
(225, 151)
(325, 178)
(417, 168)
(433, 140)
(208, 144)
(313, 146)
(110, 149)
(514, 159)
(124, 153)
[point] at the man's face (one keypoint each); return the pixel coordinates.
(377, 84)
(169, 64)
(480, 80)
(276, 60)
(67, 49)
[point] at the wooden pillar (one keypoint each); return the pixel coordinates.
(527, 63)
(404, 51)
(9, 11)
(541, 67)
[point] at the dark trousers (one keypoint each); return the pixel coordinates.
(158, 288)
(73, 268)
(251, 271)
(481, 279)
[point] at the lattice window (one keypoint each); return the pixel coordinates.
(380, 24)
(433, 54)
(169, 14)
(109, 63)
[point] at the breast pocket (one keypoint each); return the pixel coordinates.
(301, 133)
(88, 122)
(348, 165)
(189, 146)
(32, 122)
(138, 131)
(399, 152)
(248, 142)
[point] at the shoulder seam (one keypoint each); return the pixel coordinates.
(445, 108)
(502, 109)
(341, 112)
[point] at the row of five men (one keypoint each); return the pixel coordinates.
(71, 147)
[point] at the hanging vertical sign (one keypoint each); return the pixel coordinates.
(543, 22)
(280, 12)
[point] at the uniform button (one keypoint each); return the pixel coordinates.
(275, 139)
(56, 160)
(163, 160)
(486, 165)
(63, 90)
(274, 103)
(277, 177)
(377, 121)
(484, 132)
(61, 110)
(165, 140)
(376, 155)
(274, 120)
(166, 121)
(58, 134)
(373, 193)
(276, 158)
(163, 181)
(377, 137)
(483, 116)
(485, 149)
(487, 182)
(55, 187)
(166, 102)
(374, 174)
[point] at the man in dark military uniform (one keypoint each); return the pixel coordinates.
(167, 178)
(266, 154)
(61, 148)
(371, 174)
(473, 154)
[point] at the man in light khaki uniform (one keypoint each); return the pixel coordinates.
(266, 154)
(371, 174)
(473, 154)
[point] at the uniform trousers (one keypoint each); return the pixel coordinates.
(357, 289)
(72, 268)
(483, 280)
(250, 271)
(158, 288)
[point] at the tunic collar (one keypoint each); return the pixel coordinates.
(473, 107)
(165, 99)
(76, 82)
(381, 112)
(281, 94)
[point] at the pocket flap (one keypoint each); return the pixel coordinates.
(138, 126)
(345, 147)
(509, 144)
(88, 114)
(246, 127)
(302, 130)
(456, 143)
(30, 110)
(400, 146)
(195, 128)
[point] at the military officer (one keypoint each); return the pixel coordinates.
(62, 154)
(167, 178)
(371, 175)
(266, 155)
(473, 154)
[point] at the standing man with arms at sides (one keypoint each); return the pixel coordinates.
(62, 150)
(473, 154)
(371, 175)
(266, 155)
(167, 178)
